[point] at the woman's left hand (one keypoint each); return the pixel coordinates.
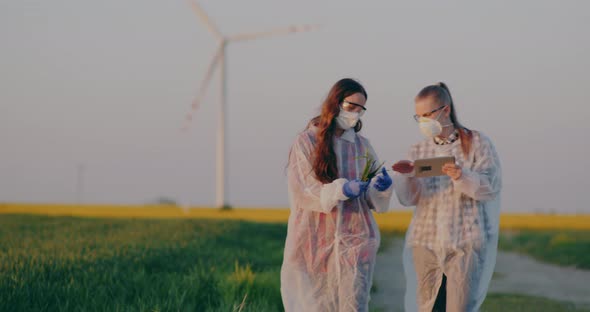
(383, 181)
(452, 170)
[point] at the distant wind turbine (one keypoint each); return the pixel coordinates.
(219, 61)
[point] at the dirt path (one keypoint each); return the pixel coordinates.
(521, 274)
(389, 279)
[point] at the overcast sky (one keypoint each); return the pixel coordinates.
(107, 84)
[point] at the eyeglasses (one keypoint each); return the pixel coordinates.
(417, 117)
(353, 107)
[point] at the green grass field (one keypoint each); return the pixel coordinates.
(508, 302)
(568, 248)
(83, 264)
(77, 264)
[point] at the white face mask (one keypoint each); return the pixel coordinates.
(347, 120)
(431, 127)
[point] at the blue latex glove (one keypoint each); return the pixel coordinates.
(383, 181)
(354, 188)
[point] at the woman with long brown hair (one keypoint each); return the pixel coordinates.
(451, 245)
(332, 237)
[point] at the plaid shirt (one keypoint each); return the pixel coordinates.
(451, 213)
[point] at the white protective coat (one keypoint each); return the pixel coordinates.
(332, 241)
(454, 228)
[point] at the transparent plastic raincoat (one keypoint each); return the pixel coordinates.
(332, 241)
(454, 228)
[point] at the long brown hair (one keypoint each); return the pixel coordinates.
(324, 157)
(441, 94)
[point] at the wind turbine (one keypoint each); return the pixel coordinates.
(219, 62)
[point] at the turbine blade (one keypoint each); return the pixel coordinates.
(203, 87)
(205, 18)
(274, 32)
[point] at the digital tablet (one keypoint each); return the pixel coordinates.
(431, 167)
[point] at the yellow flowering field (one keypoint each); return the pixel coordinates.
(396, 220)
